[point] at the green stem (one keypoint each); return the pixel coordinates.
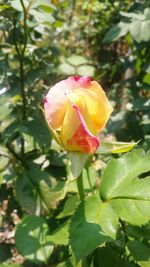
(21, 53)
(89, 180)
(22, 84)
(24, 26)
(80, 187)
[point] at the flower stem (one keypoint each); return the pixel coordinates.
(89, 180)
(80, 187)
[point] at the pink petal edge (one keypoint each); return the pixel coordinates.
(80, 81)
(83, 137)
(45, 100)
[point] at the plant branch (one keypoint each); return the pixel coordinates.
(10, 148)
(80, 187)
(20, 53)
(89, 180)
(24, 26)
(22, 85)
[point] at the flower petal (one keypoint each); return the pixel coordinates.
(98, 105)
(87, 111)
(55, 100)
(55, 105)
(99, 108)
(77, 137)
(79, 82)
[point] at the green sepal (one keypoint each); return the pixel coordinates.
(53, 132)
(78, 161)
(115, 147)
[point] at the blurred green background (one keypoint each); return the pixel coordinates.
(43, 42)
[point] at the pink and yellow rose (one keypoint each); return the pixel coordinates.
(77, 109)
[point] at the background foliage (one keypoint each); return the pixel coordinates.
(42, 222)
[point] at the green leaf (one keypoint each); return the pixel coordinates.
(139, 251)
(8, 175)
(68, 263)
(146, 79)
(146, 67)
(61, 235)
(10, 129)
(108, 220)
(69, 207)
(37, 190)
(31, 240)
(128, 195)
(140, 30)
(76, 60)
(137, 189)
(66, 69)
(4, 6)
(17, 5)
(139, 232)
(121, 172)
(78, 161)
(57, 158)
(42, 16)
(36, 3)
(37, 129)
(3, 162)
(26, 194)
(5, 252)
(94, 221)
(86, 70)
(132, 15)
(147, 13)
(1, 179)
(133, 211)
(115, 147)
(144, 263)
(116, 32)
(5, 107)
(107, 257)
(46, 8)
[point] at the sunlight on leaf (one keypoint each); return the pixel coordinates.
(78, 161)
(115, 147)
(128, 195)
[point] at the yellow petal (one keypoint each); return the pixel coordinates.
(79, 98)
(55, 105)
(75, 133)
(98, 105)
(55, 100)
